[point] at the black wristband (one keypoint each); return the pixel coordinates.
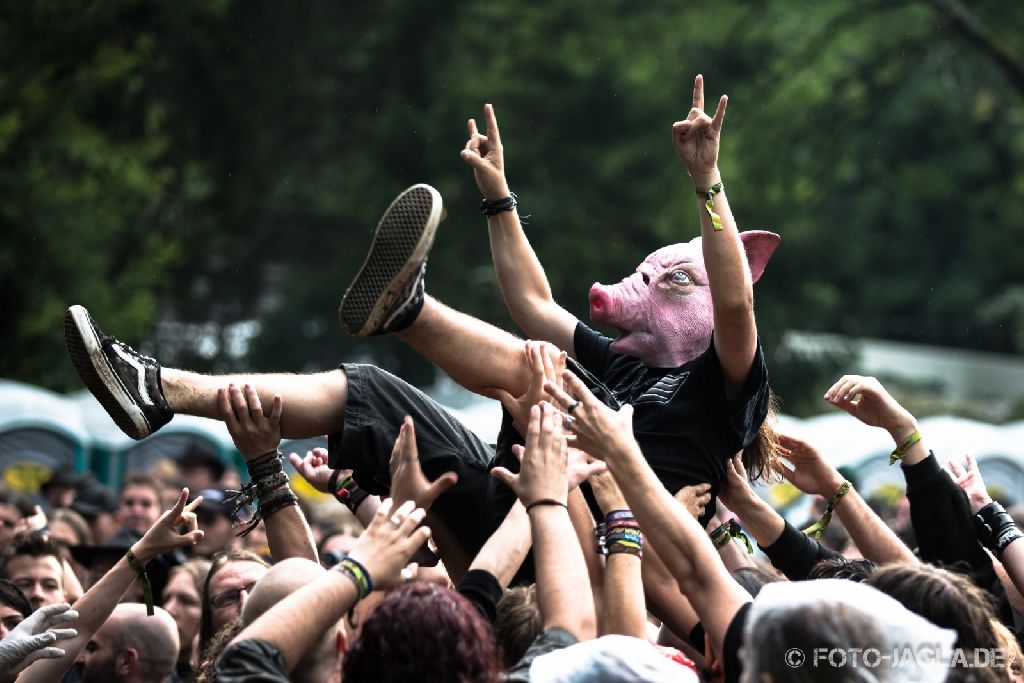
(995, 528)
(492, 207)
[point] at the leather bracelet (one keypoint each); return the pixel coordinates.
(492, 207)
(996, 528)
(546, 501)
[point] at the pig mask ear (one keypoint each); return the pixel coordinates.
(759, 245)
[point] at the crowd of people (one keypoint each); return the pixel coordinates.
(613, 533)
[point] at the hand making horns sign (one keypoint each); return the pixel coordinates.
(696, 139)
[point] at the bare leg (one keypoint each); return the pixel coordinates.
(475, 354)
(313, 404)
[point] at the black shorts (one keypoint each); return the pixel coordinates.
(377, 403)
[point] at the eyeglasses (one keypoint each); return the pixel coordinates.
(332, 558)
(230, 597)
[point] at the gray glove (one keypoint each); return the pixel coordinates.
(31, 639)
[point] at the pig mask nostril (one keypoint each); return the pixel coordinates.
(646, 277)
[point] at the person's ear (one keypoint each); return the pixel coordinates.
(127, 661)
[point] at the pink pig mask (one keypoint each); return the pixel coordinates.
(663, 310)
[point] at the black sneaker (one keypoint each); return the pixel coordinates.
(126, 383)
(387, 294)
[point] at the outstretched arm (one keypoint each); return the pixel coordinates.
(732, 292)
(99, 601)
(681, 542)
(939, 510)
(520, 275)
(255, 435)
(563, 586)
(1004, 538)
(295, 623)
(813, 474)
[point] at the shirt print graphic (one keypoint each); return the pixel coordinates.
(664, 390)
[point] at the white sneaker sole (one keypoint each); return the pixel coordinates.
(99, 377)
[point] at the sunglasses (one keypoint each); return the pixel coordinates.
(230, 597)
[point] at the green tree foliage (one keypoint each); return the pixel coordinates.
(181, 167)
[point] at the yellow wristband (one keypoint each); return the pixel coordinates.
(709, 196)
(904, 447)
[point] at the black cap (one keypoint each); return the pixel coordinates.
(95, 499)
(115, 546)
(61, 479)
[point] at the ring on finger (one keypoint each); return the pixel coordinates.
(568, 421)
(407, 575)
(396, 520)
(572, 406)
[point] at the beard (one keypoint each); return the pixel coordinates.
(104, 671)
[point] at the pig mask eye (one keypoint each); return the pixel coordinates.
(680, 278)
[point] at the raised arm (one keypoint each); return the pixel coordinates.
(563, 587)
(257, 436)
(625, 610)
(520, 275)
(996, 529)
(297, 622)
(939, 510)
(729, 276)
(100, 600)
(813, 474)
(681, 542)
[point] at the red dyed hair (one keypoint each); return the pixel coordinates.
(422, 632)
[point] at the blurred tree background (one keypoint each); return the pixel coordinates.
(205, 176)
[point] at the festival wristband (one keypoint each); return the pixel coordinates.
(147, 587)
(818, 528)
(709, 197)
(904, 447)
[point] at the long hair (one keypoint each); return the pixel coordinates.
(217, 563)
(422, 632)
(946, 599)
(759, 458)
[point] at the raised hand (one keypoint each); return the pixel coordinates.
(254, 433)
(542, 474)
(390, 540)
(694, 498)
(484, 153)
(407, 479)
(811, 473)
(599, 430)
(737, 493)
(546, 363)
(313, 468)
(165, 536)
(867, 400)
(34, 638)
(697, 138)
(607, 492)
(969, 479)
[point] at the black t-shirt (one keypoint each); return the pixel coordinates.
(251, 661)
(685, 425)
(731, 662)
